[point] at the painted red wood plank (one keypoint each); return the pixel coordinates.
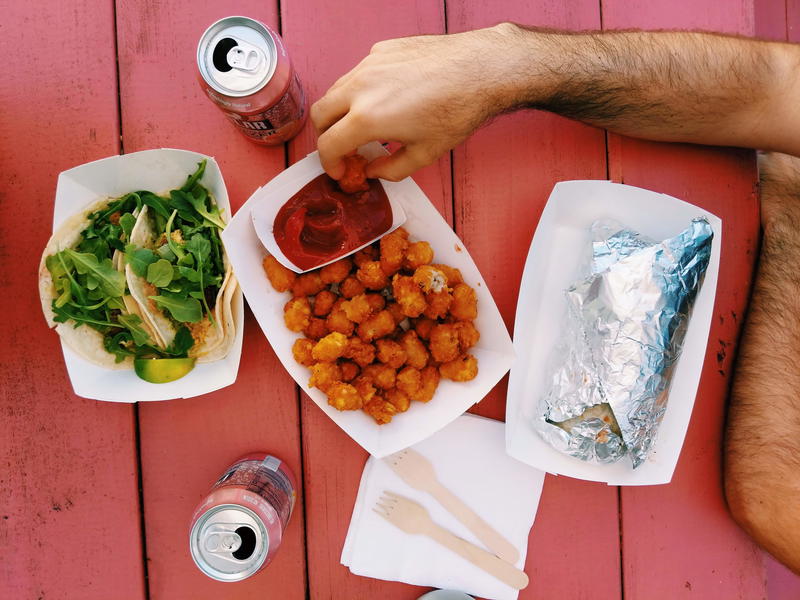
(186, 444)
(793, 20)
(678, 540)
(325, 42)
(69, 510)
(503, 176)
(770, 19)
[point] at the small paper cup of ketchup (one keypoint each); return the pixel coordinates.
(306, 221)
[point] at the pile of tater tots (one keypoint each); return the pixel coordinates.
(381, 326)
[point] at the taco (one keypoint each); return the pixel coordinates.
(178, 273)
(82, 284)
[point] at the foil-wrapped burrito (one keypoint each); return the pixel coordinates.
(624, 329)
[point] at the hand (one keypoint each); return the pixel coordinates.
(428, 93)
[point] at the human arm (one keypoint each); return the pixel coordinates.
(430, 92)
(762, 455)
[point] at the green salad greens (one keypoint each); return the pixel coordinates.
(187, 269)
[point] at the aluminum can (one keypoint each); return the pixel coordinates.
(245, 70)
(237, 528)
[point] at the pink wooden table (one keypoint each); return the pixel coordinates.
(95, 498)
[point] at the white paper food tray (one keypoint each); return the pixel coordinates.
(157, 171)
(494, 351)
(560, 246)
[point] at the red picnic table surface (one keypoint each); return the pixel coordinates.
(95, 498)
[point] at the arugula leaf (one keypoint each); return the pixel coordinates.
(159, 273)
(200, 248)
(184, 310)
(173, 245)
(181, 343)
(127, 221)
(194, 177)
(139, 259)
(166, 253)
(157, 203)
(199, 204)
(189, 274)
(110, 281)
(133, 323)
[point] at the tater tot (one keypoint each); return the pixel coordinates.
(430, 279)
(418, 254)
(378, 325)
(396, 311)
(429, 381)
(376, 301)
(354, 178)
(464, 368)
(350, 370)
(380, 410)
(423, 327)
(465, 303)
(453, 275)
(444, 342)
(324, 375)
(323, 302)
(351, 287)
(316, 328)
(358, 308)
(382, 376)
(363, 353)
(390, 353)
(337, 320)
(416, 353)
(365, 254)
(307, 284)
(468, 336)
(398, 398)
(365, 388)
(301, 350)
(372, 276)
(336, 271)
(329, 348)
(279, 276)
(343, 396)
(408, 296)
(438, 304)
(297, 314)
(409, 380)
(393, 250)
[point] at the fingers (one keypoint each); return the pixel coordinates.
(401, 164)
(340, 139)
(329, 109)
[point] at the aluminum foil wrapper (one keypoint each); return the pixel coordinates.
(624, 330)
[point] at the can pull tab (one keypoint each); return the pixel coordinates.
(244, 59)
(222, 541)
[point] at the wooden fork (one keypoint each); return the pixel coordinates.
(413, 518)
(418, 472)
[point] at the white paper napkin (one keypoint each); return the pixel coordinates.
(470, 459)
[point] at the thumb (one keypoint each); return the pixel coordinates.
(401, 163)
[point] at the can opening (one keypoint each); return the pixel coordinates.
(248, 537)
(220, 55)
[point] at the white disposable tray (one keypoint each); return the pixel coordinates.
(559, 247)
(494, 351)
(157, 171)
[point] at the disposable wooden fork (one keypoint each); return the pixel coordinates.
(414, 519)
(418, 472)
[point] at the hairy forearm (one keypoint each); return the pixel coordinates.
(762, 458)
(667, 86)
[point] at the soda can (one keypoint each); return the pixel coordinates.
(245, 70)
(237, 528)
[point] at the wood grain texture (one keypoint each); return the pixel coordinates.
(678, 540)
(324, 44)
(503, 176)
(69, 510)
(187, 444)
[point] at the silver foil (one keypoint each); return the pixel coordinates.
(624, 329)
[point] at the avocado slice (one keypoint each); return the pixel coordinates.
(162, 370)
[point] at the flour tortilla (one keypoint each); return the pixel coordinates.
(83, 340)
(213, 341)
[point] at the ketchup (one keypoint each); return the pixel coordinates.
(321, 222)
